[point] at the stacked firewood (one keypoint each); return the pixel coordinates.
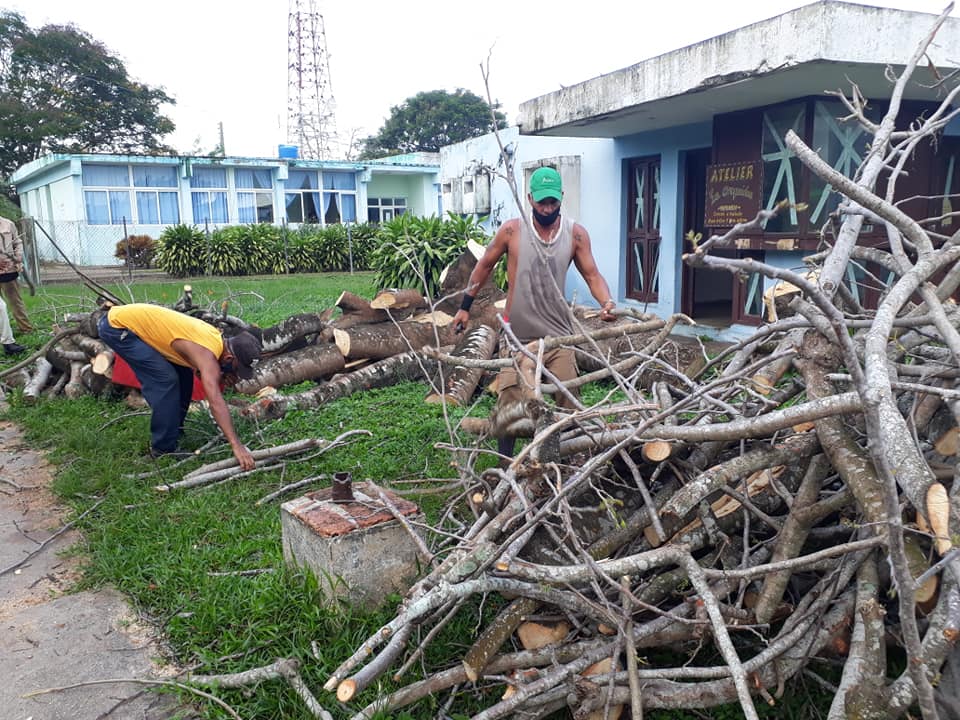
(362, 343)
(785, 508)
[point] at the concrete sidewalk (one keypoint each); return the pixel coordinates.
(51, 639)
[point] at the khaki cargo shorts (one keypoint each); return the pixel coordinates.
(515, 387)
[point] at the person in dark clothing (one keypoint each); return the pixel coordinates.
(164, 348)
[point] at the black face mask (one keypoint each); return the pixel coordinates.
(548, 219)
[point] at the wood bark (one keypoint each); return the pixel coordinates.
(398, 300)
(384, 340)
(293, 333)
(314, 362)
(406, 367)
(460, 382)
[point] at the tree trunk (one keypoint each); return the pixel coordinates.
(293, 332)
(406, 367)
(460, 382)
(357, 311)
(385, 340)
(310, 363)
(398, 300)
(41, 375)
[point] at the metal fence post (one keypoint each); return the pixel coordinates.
(350, 245)
(126, 251)
(206, 228)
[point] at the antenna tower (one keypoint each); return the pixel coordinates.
(311, 125)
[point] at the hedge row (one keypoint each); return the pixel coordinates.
(407, 251)
(184, 250)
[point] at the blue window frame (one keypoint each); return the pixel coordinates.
(209, 195)
(107, 195)
(255, 201)
(339, 197)
(301, 199)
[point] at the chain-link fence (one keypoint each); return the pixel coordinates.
(50, 248)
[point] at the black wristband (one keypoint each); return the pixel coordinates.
(466, 302)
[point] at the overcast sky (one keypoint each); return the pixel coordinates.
(226, 60)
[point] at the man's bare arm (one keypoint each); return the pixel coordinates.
(208, 365)
(587, 266)
(497, 248)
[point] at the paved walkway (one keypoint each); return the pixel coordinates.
(52, 273)
(49, 637)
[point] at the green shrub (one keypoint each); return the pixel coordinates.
(301, 249)
(180, 251)
(363, 240)
(223, 252)
(136, 250)
(256, 243)
(413, 251)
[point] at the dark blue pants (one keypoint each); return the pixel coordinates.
(167, 387)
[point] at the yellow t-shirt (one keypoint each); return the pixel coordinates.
(158, 327)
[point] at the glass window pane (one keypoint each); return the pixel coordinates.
(311, 207)
(209, 178)
(636, 281)
(105, 175)
(339, 181)
(169, 208)
(120, 207)
(753, 305)
(96, 204)
(294, 207)
(654, 269)
(245, 209)
(843, 145)
(656, 197)
(201, 207)
(332, 214)
(373, 214)
(349, 207)
(302, 180)
(781, 168)
(250, 178)
(265, 207)
(145, 176)
(218, 207)
(147, 211)
(400, 202)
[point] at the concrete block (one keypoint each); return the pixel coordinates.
(358, 550)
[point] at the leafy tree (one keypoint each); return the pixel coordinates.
(429, 120)
(62, 91)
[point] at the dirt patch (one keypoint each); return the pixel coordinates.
(52, 636)
(32, 515)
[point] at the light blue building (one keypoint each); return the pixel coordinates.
(87, 202)
(692, 141)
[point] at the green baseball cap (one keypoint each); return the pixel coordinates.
(545, 183)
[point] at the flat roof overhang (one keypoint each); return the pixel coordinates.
(817, 48)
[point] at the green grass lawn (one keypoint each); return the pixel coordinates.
(162, 549)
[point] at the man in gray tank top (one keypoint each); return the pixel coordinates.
(539, 252)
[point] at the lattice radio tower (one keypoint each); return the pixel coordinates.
(310, 106)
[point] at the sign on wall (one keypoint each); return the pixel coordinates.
(734, 191)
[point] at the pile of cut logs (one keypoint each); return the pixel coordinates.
(785, 508)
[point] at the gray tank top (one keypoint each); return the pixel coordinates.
(536, 310)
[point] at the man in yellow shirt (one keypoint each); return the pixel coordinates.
(164, 348)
